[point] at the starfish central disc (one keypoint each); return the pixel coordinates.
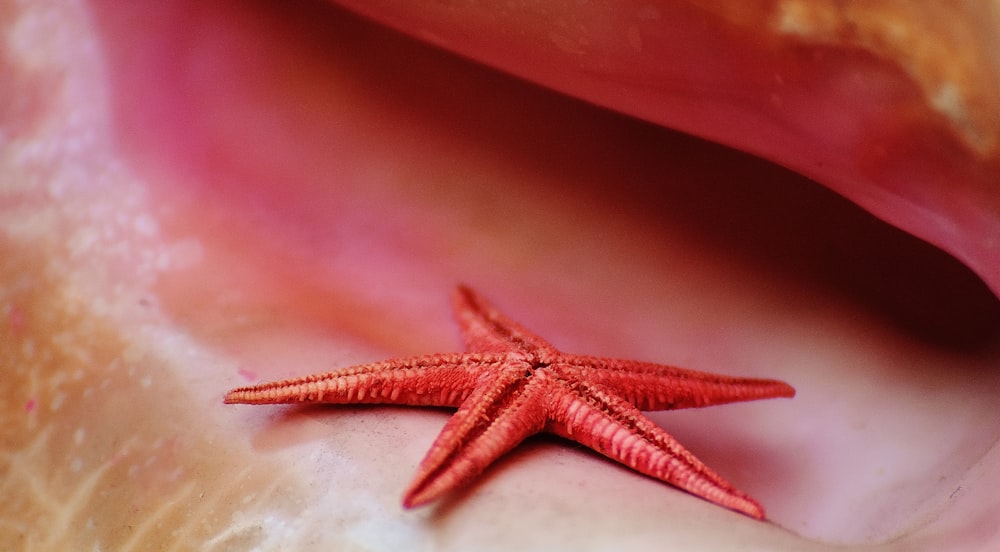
(511, 384)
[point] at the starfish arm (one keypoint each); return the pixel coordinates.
(649, 386)
(618, 430)
(494, 419)
(432, 380)
(484, 328)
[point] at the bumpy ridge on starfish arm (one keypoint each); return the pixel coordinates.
(430, 380)
(512, 384)
(618, 430)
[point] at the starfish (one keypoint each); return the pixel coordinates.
(512, 384)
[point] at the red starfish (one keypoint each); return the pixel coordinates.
(512, 384)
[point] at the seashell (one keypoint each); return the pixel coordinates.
(197, 195)
(893, 105)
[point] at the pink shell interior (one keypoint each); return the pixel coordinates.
(199, 195)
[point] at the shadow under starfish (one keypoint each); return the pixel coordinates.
(512, 383)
